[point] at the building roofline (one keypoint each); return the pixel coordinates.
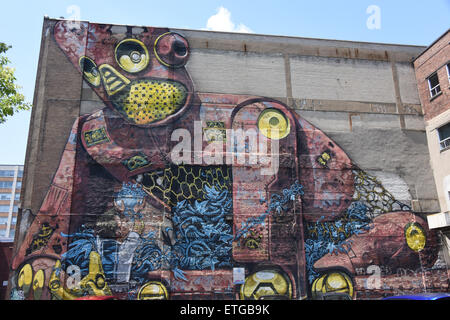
(256, 34)
(432, 44)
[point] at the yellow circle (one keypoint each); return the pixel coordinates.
(132, 55)
(153, 290)
(415, 236)
(334, 282)
(273, 124)
(337, 282)
(25, 276)
(266, 284)
(157, 55)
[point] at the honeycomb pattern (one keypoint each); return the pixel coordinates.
(178, 183)
(370, 200)
(146, 101)
(371, 192)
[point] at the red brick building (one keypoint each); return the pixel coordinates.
(432, 68)
(432, 73)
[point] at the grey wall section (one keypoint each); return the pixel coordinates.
(407, 83)
(342, 79)
(237, 72)
(363, 95)
(56, 106)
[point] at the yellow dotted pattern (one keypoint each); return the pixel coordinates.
(179, 183)
(149, 101)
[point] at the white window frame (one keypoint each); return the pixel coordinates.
(445, 143)
(438, 86)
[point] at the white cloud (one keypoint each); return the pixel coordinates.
(221, 21)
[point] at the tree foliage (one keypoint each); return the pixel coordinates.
(11, 100)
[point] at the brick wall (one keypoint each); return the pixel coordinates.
(435, 58)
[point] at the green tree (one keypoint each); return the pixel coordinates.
(11, 100)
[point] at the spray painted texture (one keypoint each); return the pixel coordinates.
(164, 191)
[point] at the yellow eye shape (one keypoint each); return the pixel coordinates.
(132, 55)
(415, 236)
(266, 284)
(273, 124)
(153, 290)
(25, 278)
(90, 71)
(172, 50)
(333, 282)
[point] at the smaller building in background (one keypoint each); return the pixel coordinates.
(432, 69)
(10, 185)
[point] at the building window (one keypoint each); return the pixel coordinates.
(4, 208)
(6, 173)
(444, 136)
(6, 184)
(5, 196)
(3, 220)
(433, 84)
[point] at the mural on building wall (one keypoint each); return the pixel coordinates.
(156, 197)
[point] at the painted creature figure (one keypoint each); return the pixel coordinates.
(120, 213)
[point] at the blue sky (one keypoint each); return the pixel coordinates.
(400, 21)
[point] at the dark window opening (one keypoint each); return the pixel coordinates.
(444, 136)
(433, 83)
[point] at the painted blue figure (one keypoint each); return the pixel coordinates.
(203, 239)
(130, 201)
(133, 251)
